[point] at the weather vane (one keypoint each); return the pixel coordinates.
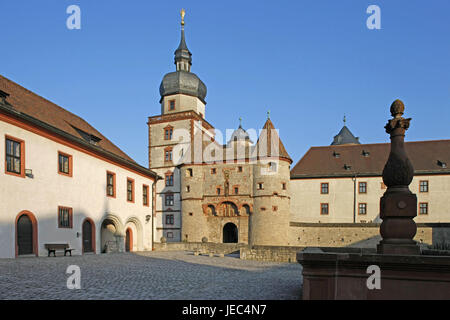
(345, 120)
(240, 122)
(268, 114)
(183, 13)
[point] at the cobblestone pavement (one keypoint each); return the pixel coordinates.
(150, 275)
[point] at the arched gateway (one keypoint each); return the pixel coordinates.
(230, 233)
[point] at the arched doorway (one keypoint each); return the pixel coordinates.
(230, 233)
(88, 230)
(129, 240)
(26, 234)
(112, 235)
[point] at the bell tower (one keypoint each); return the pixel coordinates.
(170, 135)
(182, 90)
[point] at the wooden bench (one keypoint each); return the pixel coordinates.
(52, 247)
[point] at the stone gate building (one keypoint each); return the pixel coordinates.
(237, 192)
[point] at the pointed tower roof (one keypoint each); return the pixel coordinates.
(269, 141)
(182, 53)
(345, 136)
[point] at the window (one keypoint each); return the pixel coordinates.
(423, 186)
(168, 155)
(64, 164)
(324, 188)
(283, 185)
(145, 195)
(236, 190)
(130, 190)
(260, 186)
(218, 191)
(170, 219)
(169, 179)
(324, 208)
(64, 217)
(272, 167)
(362, 208)
(362, 187)
(239, 169)
(423, 208)
(169, 200)
(274, 208)
(168, 132)
(15, 156)
(110, 184)
(188, 189)
(213, 171)
(172, 105)
(189, 173)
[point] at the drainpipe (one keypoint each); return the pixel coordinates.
(354, 199)
(154, 209)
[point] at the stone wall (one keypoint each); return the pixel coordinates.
(358, 234)
(204, 248)
(270, 253)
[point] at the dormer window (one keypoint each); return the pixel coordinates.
(336, 155)
(347, 167)
(365, 153)
(442, 164)
(92, 139)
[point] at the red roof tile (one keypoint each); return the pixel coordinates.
(40, 108)
(324, 162)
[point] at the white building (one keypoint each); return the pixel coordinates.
(62, 181)
(342, 183)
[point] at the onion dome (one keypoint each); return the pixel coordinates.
(183, 80)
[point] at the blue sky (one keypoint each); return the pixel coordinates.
(308, 62)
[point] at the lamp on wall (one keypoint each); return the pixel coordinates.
(147, 218)
(29, 173)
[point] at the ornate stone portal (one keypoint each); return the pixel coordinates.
(398, 206)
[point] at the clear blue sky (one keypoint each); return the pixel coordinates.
(309, 62)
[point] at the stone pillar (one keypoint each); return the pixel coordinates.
(398, 206)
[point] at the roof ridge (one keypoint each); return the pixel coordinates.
(41, 97)
(376, 143)
(32, 95)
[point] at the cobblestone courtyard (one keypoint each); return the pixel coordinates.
(149, 275)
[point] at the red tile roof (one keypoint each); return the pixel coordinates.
(330, 161)
(46, 111)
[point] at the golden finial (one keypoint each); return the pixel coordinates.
(183, 13)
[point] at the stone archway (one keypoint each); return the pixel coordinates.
(112, 237)
(26, 234)
(136, 231)
(230, 233)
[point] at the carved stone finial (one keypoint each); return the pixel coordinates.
(398, 206)
(397, 108)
